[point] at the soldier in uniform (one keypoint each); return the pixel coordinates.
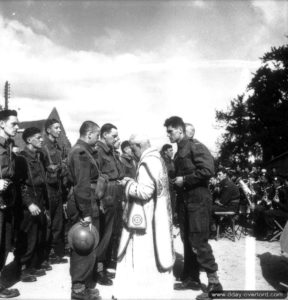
(111, 166)
(84, 175)
(128, 161)
(194, 166)
(56, 171)
(8, 129)
(31, 241)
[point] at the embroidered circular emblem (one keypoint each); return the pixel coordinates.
(137, 220)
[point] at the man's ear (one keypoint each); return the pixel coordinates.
(2, 124)
(48, 130)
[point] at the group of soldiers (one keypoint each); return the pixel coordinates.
(42, 184)
(35, 215)
(32, 184)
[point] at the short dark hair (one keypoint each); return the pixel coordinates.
(28, 132)
(49, 123)
(124, 145)
(5, 114)
(106, 128)
(166, 147)
(175, 122)
(223, 170)
(86, 127)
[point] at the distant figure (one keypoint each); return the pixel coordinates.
(229, 194)
(190, 130)
(128, 161)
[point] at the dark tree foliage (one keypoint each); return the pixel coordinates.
(259, 126)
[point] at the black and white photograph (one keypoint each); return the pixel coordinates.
(143, 149)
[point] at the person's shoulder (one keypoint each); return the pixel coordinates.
(78, 153)
(197, 146)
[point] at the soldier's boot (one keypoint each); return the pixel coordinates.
(214, 285)
(8, 293)
(80, 292)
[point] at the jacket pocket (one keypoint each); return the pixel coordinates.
(198, 217)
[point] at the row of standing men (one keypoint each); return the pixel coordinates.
(34, 186)
(39, 175)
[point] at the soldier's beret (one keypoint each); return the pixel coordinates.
(50, 122)
(30, 131)
(5, 114)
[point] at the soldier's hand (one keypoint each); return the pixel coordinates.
(3, 184)
(179, 181)
(34, 209)
(86, 221)
(123, 181)
(52, 168)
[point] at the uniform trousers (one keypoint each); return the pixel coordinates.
(6, 226)
(197, 251)
(82, 266)
(56, 230)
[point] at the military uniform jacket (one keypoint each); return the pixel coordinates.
(110, 165)
(194, 162)
(129, 166)
(7, 170)
(53, 154)
(229, 191)
(30, 173)
(109, 162)
(84, 175)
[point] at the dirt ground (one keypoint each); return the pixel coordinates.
(245, 264)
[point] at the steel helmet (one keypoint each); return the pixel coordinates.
(83, 238)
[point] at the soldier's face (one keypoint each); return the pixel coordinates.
(221, 176)
(10, 126)
(36, 140)
(174, 134)
(55, 130)
(111, 138)
(169, 152)
(94, 136)
(128, 150)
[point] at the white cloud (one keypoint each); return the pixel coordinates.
(133, 91)
(272, 11)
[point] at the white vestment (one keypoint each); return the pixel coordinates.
(137, 274)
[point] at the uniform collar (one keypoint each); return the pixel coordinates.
(183, 142)
(85, 145)
(30, 153)
(5, 142)
(105, 147)
(50, 143)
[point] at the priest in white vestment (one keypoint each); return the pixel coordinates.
(146, 256)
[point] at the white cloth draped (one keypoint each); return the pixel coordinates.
(137, 275)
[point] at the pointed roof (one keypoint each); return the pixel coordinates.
(63, 139)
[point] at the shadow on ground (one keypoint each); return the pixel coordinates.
(274, 270)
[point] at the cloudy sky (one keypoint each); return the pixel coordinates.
(134, 63)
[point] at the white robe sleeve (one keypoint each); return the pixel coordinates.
(143, 188)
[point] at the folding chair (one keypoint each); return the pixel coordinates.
(277, 232)
(231, 217)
